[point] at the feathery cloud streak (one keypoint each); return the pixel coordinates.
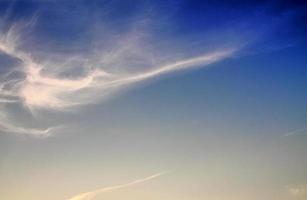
(93, 194)
(45, 91)
(49, 83)
(33, 131)
(297, 131)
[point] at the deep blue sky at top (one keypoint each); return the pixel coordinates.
(272, 80)
(66, 20)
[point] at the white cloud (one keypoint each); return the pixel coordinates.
(49, 83)
(48, 91)
(93, 194)
(9, 127)
(27, 131)
(296, 131)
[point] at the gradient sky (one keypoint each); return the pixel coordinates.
(161, 99)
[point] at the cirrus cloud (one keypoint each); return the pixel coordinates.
(43, 80)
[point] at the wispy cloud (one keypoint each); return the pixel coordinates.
(49, 82)
(9, 127)
(93, 194)
(27, 131)
(51, 92)
(296, 131)
(41, 90)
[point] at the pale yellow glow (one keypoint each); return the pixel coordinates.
(93, 194)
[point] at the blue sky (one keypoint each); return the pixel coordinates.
(153, 100)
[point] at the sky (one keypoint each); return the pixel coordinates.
(153, 99)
